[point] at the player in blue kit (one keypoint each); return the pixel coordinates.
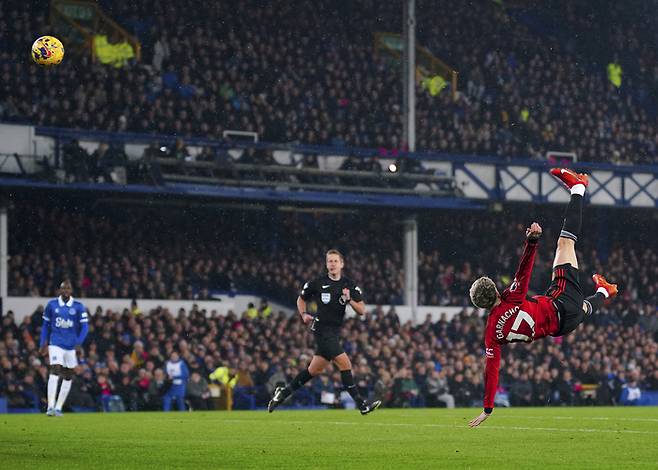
(65, 326)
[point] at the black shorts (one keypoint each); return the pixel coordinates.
(568, 295)
(328, 343)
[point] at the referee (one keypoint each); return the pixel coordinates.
(332, 293)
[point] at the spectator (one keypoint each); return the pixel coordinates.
(104, 391)
(138, 356)
(251, 311)
(83, 392)
(462, 391)
(179, 151)
(15, 396)
(161, 52)
(631, 394)
(158, 387)
(563, 388)
(383, 388)
(76, 162)
(198, 393)
(438, 390)
(405, 389)
(520, 393)
(265, 309)
(127, 392)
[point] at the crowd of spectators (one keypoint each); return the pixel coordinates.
(308, 72)
(191, 253)
(610, 360)
(188, 254)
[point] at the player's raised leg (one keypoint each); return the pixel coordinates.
(604, 290)
(576, 183)
(317, 365)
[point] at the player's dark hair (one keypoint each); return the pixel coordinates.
(335, 252)
(483, 293)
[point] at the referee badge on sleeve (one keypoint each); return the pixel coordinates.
(326, 297)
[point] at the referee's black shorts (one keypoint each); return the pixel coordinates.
(328, 343)
(568, 295)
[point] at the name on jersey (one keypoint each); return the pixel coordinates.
(63, 323)
(503, 318)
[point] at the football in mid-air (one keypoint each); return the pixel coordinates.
(47, 50)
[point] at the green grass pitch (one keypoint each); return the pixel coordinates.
(536, 438)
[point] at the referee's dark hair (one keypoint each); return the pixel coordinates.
(335, 252)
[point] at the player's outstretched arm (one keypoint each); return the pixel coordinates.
(519, 289)
(533, 233)
(491, 369)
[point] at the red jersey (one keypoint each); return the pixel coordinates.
(517, 318)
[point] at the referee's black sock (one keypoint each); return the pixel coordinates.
(301, 378)
(573, 218)
(350, 386)
(594, 302)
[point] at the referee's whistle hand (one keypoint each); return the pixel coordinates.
(346, 294)
(306, 318)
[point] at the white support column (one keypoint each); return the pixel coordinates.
(411, 266)
(409, 74)
(4, 257)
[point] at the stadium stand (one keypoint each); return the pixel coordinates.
(524, 94)
(163, 253)
(405, 365)
(309, 74)
(134, 253)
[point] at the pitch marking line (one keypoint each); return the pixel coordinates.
(579, 418)
(448, 426)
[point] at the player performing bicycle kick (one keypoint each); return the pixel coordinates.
(513, 316)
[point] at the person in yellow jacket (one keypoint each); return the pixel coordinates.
(252, 311)
(614, 73)
(265, 308)
(116, 55)
(434, 85)
(224, 376)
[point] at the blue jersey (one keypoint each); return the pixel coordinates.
(177, 372)
(65, 324)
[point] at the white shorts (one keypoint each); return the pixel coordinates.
(63, 357)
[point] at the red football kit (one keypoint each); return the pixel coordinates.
(517, 318)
